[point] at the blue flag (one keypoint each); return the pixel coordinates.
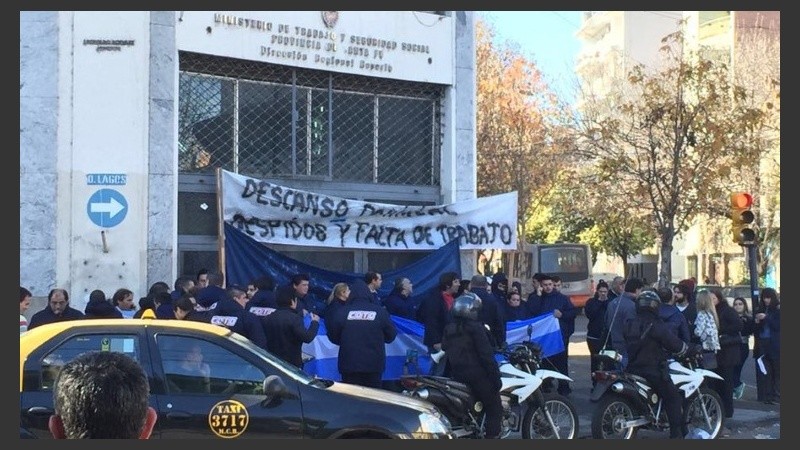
(545, 330)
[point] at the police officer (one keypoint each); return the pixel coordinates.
(184, 309)
(469, 349)
(230, 313)
(286, 330)
(361, 329)
(650, 345)
(212, 291)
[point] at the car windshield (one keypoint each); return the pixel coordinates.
(291, 369)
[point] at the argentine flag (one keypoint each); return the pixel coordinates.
(544, 330)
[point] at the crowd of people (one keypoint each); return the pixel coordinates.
(359, 322)
(683, 320)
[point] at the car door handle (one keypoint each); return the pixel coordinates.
(40, 411)
(179, 415)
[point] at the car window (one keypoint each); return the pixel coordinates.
(737, 291)
(68, 350)
(282, 367)
(196, 366)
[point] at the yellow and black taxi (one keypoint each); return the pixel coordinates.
(208, 382)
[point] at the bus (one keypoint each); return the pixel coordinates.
(571, 262)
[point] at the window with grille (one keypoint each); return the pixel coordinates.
(265, 120)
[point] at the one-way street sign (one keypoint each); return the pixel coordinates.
(107, 208)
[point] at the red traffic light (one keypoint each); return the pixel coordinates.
(741, 217)
(741, 200)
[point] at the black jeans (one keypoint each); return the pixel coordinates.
(485, 391)
(595, 345)
(767, 385)
(673, 404)
(560, 361)
(724, 388)
(744, 350)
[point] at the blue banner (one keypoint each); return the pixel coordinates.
(247, 259)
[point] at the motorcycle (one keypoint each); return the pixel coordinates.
(626, 403)
(545, 415)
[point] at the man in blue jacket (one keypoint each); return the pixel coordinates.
(558, 304)
(618, 312)
(672, 316)
(230, 313)
(214, 292)
(286, 330)
(398, 302)
(361, 329)
(307, 301)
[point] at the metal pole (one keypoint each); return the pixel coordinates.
(751, 262)
(761, 380)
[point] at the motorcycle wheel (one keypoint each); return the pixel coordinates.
(537, 425)
(705, 411)
(611, 412)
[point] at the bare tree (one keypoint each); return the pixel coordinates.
(670, 136)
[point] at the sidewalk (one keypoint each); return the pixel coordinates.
(752, 415)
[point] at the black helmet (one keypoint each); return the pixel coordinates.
(649, 300)
(467, 306)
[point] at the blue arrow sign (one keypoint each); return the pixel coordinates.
(107, 208)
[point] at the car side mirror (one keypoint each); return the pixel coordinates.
(274, 387)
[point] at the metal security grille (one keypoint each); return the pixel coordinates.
(265, 120)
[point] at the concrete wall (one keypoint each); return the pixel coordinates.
(39, 97)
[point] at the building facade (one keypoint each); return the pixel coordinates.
(125, 117)
(749, 43)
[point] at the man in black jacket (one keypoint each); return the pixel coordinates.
(433, 314)
(286, 330)
(560, 306)
(57, 310)
(595, 311)
(361, 329)
(650, 344)
(491, 312)
(471, 354)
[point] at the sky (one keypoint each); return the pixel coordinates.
(546, 37)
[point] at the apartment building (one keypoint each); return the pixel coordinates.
(614, 41)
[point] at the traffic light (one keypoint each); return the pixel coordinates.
(742, 218)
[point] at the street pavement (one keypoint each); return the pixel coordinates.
(751, 418)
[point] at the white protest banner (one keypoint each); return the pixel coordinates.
(277, 214)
